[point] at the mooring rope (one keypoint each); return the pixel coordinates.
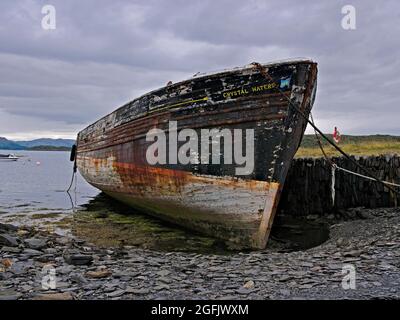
(73, 178)
(72, 181)
(333, 177)
(74, 168)
(335, 167)
(329, 161)
(363, 176)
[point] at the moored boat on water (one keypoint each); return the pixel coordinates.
(8, 157)
(210, 153)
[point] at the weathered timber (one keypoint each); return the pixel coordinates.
(212, 198)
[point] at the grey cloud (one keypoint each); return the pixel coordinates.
(104, 53)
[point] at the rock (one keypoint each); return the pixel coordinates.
(7, 240)
(50, 251)
(22, 232)
(249, 284)
(353, 253)
(35, 243)
(62, 285)
(198, 280)
(78, 259)
(364, 215)
(162, 287)
(316, 269)
(285, 278)
(351, 214)
(137, 291)
(54, 296)
(116, 293)
(9, 295)
(20, 268)
(78, 278)
(8, 227)
(26, 288)
(307, 264)
(7, 263)
(111, 286)
(64, 269)
(243, 290)
(307, 286)
(45, 258)
(32, 252)
(284, 292)
(391, 244)
(104, 273)
(163, 273)
(298, 274)
(10, 249)
(164, 280)
(92, 286)
(340, 242)
(62, 240)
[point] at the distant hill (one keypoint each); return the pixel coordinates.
(37, 144)
(9, 145)
(49, 148)
(47, 142)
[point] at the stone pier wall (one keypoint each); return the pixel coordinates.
(307, 189)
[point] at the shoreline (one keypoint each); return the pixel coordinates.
(86, 271)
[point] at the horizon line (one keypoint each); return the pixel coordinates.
(56, 137)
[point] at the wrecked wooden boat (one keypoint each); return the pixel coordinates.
(153, 152)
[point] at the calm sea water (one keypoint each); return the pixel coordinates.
(38, 180)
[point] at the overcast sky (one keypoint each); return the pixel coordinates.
(104, 53)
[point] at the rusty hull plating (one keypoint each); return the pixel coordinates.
(111, 153)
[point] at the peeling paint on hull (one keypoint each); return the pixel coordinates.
(111, 153)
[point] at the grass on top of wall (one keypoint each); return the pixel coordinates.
(353, 145)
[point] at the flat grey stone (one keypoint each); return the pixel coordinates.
(10, 249)
(137, 291)
(78, 278)
(9, 295)
(20, 268)
(116, 293)
(7, 227)
(35, 243)
(7, 240)
(50, 251)
(78, 259)
(32, 252)
(45, 258)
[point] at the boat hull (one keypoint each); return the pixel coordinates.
(204, 196)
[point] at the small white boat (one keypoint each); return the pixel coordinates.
(8, 157)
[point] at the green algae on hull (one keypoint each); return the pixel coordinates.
(107, 223)
(118, 230)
